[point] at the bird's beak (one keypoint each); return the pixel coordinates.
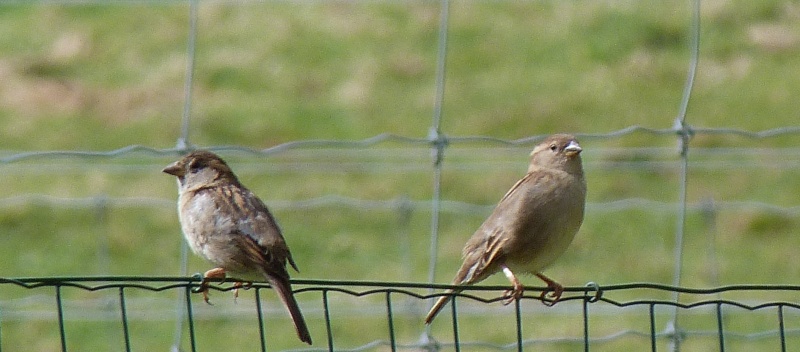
(573, 148)
(173, 169)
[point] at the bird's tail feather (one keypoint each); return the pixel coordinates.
(440, 303)
(284, 290)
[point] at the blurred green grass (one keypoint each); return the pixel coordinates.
(101, 77)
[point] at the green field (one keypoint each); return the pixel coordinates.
(99, 77)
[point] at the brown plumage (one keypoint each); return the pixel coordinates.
(228, 225)
(532, 225)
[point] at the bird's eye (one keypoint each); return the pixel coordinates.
(196, 165)
(553, 147)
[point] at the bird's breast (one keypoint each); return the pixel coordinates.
(200, 221)
(550, 221)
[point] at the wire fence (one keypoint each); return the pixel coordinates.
(387, 303)
(595, 317)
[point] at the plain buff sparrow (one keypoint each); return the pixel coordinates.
(532, 225)
(229, 226)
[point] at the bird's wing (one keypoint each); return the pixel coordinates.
(257, 223)
(481, 258)
(268, 259)
(486, 249)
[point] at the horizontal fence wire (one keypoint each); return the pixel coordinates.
(594, 300)
(387, 138)
(448, 206)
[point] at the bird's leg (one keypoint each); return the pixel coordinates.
(553, 288)
(215, 273)
(516, 292)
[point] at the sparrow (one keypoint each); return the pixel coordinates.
(228, 225)
(531, 226)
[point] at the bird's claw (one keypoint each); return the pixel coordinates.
(215, 273)
(204, 290)
(552, 294)
(240, 284)
(511, 295)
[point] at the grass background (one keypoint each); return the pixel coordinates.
(98, 77)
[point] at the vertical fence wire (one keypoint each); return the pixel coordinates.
(781, 328)
(390, 321)
(437, 139)
(189, 318)
(183, 143)
(124, 316)
(181, 300)
(651, 311)
(260, 315)
(456, 340)
(103, 248)
(720, 328)
(327, 314)
(585, 312)
(684, 134)
(518, 321)
(439, 143)
(61, 327)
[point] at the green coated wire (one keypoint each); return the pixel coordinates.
(453, 306)
(124, 316)
(327, 311)
(390, 318)
(260, 316)
(720, 328)
(781, 328)
(588, 295)
(652, 315)
(190, 317)
(172, 282)
(61, 328)
(518, 320)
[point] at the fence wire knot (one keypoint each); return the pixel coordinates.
(598, 292)
(674, 334)
(199, 278)
(685, 133)
(428, 343)
(439, 141)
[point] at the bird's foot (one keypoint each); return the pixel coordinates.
(215, 273)
(513, 294)
(552, 293)
(203, 288)
(517, 289)
(240, 284)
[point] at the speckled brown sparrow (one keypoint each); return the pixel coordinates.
(228, 225)
(532, 225)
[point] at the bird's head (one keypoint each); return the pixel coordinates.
(560, 151)
(200, 167)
